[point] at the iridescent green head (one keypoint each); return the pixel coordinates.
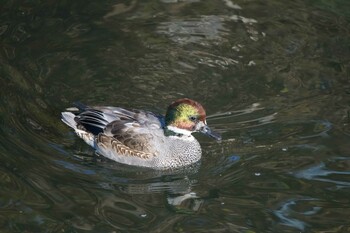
(185, 116)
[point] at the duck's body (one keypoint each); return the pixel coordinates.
(142, 138)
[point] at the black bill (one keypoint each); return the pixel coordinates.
(207, 131)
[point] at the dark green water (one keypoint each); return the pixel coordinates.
(274, 76)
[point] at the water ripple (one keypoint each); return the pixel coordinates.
(122, 214)
(288, 212)
(193, 30)
(323, 172)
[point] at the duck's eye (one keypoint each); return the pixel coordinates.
(193, 118)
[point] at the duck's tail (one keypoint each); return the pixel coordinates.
(69, 119)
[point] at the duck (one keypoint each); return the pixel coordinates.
(142, 138)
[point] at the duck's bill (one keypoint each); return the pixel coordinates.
(207, 131)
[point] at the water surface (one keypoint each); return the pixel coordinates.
(272, 75)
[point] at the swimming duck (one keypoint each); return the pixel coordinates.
(143, 138)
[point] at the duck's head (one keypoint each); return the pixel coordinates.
(185, 116)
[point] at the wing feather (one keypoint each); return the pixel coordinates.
(126, 132)
(121, 149)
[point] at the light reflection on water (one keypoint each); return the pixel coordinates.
(275, 85)
(320, 172)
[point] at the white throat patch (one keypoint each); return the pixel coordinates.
(179, 131)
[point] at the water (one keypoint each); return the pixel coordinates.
(273, 76)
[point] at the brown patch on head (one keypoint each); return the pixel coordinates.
(198, 106)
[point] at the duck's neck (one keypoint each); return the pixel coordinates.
(174, 131)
